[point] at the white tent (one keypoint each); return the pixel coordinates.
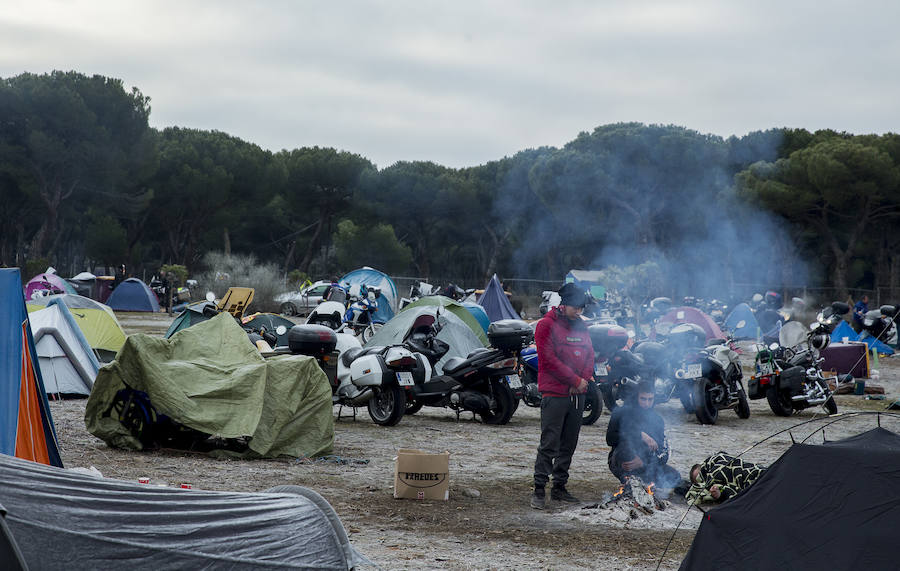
(67, 363)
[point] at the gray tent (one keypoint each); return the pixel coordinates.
(454, 332)
(63, 519)
(68, 364)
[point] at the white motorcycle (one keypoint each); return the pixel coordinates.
(378, 377)
(358, 318)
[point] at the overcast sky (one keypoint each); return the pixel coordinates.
(463, 83)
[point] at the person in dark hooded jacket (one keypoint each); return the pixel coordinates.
(566, 360)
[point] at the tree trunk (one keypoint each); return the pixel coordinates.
(313, 243)
(226, 241)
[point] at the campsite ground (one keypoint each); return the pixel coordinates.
(487, 523)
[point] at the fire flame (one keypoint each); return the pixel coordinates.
(650, 488)
(620, 492)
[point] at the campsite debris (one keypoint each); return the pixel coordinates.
(144, 480)
(331, 459)
(186, 486)
(471, 492)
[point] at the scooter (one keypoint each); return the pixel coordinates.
(378, 377)
(788, 373)
(482, 383)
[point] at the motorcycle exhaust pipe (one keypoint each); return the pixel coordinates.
(362, 397)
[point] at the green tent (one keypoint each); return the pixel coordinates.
(192, 315)
(211, 379)
(455, 308)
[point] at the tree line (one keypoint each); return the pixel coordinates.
(85, 181)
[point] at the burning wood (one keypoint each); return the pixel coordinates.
(633, 493)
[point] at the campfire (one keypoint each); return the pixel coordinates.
(634, 495)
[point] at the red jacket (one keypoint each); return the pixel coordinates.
(564, 353)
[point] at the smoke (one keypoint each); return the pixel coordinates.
(626, 194)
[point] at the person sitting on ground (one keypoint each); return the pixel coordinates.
(721, 477)
(640, 448)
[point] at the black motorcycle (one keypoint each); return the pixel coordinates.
(480, 382)
(788, 373)
(531, 396)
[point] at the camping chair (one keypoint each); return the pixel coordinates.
(236, 300)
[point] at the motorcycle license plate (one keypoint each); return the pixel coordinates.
(600, 370)
(405, 379)
(514, 381)
(694, 371)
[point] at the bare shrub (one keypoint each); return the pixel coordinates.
(223, 271)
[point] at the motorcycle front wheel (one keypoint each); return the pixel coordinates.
(742, 408)
(370, 331)
(704, 407)
(502, 409)
(387, 405)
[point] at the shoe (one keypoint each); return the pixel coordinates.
(560, 494)
(538, 498)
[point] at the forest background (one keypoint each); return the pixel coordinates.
(85, 182)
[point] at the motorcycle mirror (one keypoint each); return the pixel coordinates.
(280, 330)
(840, 308)
(210, 296)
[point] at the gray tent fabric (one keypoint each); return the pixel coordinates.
(454, 332)
(495, 302)
(10, 556)
(63, 519)
(67, 363)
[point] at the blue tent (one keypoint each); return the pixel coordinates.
(480, 314)
(742, 322)
(387, 301)
(844, 330)
(495, 302)
(26, 427)
(133, 295)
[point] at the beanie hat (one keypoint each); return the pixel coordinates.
(572, 295)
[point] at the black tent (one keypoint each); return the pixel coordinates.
(832, 507)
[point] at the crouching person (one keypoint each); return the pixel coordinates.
(637, 435)
(721, 477)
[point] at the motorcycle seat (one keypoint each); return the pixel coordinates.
(454, 364)
(478, 351)
(353, 353)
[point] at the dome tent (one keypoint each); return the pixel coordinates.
(133, 295)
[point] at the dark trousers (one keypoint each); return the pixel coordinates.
(560, 426)
(654, 470)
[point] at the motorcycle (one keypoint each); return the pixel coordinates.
(378, 377)
(484, 383)
(879, 323)
(531, 396)
(358, 317)
(617, 371)
(788, 373)
(719, 385)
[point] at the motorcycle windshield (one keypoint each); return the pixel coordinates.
(792, 334)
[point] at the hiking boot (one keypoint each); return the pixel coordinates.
(560, 494)
(538, 498)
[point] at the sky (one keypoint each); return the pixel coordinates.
(463, 83)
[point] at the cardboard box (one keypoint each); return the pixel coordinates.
(422, 476)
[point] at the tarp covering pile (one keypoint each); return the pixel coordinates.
(96, 321)
(68, 366)
(26, 427)
(495, 302)
(211, 379)
(844, 330)
(454, 331)
(63, 519)
(816, 507)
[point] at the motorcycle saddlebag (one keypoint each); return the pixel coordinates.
(312, 340)
(510, 334)
(792, 380)
(754, 389)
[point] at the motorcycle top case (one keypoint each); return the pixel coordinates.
(607, 338)
(510, 334)
(312, 340)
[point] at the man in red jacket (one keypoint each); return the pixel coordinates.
(565, 364)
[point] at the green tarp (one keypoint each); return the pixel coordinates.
(210, 378)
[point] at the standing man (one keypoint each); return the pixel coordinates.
(566, 360)
(637, 435)
(859, 312)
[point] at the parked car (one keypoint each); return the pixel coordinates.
(302, 302)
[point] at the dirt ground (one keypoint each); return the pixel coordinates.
(487, 522)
